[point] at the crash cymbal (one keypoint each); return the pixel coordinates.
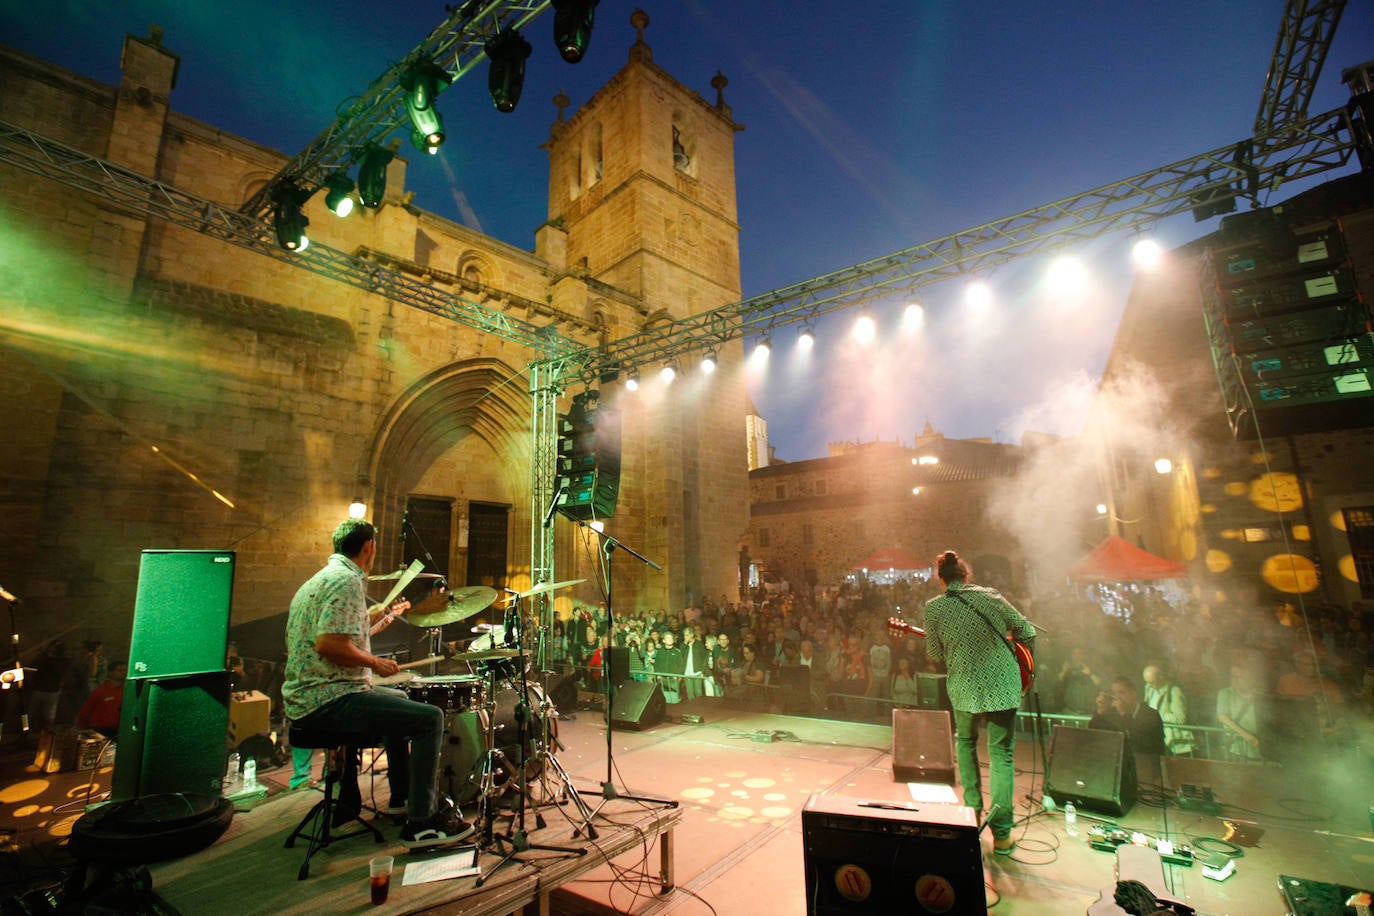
(485, 654)
(393, 576)
(462, 604)
(543, 587)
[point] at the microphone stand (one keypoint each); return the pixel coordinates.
(436, 634)
(608, 789)
(517, 839)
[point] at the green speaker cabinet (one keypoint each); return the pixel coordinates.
(181, 612)
(172, 735)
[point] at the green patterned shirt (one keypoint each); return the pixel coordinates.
(334, 600)
(983, 674)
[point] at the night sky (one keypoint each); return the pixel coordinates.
(869, 128)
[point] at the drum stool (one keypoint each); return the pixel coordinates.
(317, 826)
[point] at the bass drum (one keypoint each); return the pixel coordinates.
(506, 727)
(464, 748)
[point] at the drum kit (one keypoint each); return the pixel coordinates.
(500, 726)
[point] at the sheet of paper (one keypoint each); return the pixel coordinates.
(407, 577)
(459, 865)
(932, 793)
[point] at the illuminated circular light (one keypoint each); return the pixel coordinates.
(1346, 566)
(864, 329)
(914, 317)
(23, 791)
(1067, 276)
(1101, 508)
(708, 362)
(667, 373)
(763, 348)
(1278, 491)
(1290, 573)
(1218, 560)
(597, 525)
(1163, 466)
(357, 509)
(978, 296)
(632, 380)
(1147, 253)
(915, 491)
(760, 782)
(806, 339)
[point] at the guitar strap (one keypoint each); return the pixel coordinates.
(981, 616)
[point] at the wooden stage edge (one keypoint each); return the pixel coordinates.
(248, 870)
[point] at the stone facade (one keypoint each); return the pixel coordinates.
(164, 389)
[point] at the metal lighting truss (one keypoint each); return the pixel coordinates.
(1299, 52)
(144, 197)
(456, 45)
(1242, 169)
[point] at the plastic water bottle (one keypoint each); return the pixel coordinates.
(250, 773)
(1070, 819)
(231, 772)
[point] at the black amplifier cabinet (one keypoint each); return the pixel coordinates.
(865, 856)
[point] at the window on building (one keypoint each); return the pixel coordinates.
(780, 491)
(1359, 529)
(763, 537)
(595, 154)
(808, 534)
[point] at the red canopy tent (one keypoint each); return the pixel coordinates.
(1117, 560)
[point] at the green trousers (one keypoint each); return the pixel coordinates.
(1001, 727)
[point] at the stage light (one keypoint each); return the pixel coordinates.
(506, 76)
(978, 296)
(287, 218)
(421, 81)
(357, 508)
(1101, 508)
(572, 27)
(339, 194)
(1147, 253)
(372, 176)
(806, 339)
(668, 372)
(914, 317)
(1163, 466)
(864, 328)
(632, 380)
(763, 348)
(708, 362)
(1067, 277)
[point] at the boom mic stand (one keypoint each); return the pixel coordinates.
(608, 789)
(517, 839)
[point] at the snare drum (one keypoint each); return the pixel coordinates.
(453, 693)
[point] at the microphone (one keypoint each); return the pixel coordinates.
(548, 516)
(405, 523)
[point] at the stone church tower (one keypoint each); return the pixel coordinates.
(165, 389)
(642, 199)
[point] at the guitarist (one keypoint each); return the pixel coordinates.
(966, 629)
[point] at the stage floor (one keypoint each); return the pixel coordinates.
(741, 778)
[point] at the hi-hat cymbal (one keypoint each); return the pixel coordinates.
(543, 587)
(393, 576)
(485, 654)
(462, 604)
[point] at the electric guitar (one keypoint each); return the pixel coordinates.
(396, 609)
(1025, 661)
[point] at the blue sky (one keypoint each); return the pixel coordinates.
(869, 128)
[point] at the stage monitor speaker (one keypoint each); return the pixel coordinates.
(638, 705)
(172, 734)
(876, 857)
(181, 612)
(620, 664)
(563, 692)
(922, 746)
(1092, 768)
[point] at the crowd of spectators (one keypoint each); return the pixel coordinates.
(1271, 682)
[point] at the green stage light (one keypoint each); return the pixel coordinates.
(339, 194)
(422, 82)
(506, 78)
(572, 27)
(372, 176)
(287, 218)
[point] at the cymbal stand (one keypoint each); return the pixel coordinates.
(549, 761)
(608, 789)
(517, 839)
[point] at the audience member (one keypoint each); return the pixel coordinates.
(1169, 700)
(1142, 725)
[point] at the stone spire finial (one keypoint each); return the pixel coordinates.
(561, 101)
(640, 51)
(718, 83)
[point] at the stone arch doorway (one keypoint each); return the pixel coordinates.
(477, 409)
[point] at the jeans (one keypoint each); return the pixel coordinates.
(1001, 762)
(411, 733)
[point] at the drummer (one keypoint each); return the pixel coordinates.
(328, 685)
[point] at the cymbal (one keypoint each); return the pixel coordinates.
(543, 587)
(393, 576)
(462, 604)
(485, 654)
